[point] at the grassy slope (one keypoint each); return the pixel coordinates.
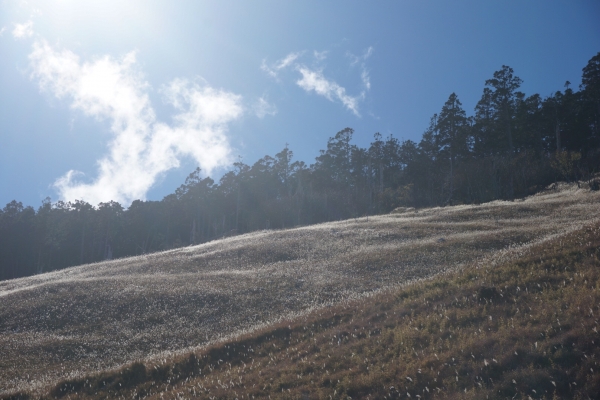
(367, 346)
(525, 327)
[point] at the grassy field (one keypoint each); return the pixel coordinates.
(339, 309)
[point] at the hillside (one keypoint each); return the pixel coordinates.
(522, 327)
(96, 317)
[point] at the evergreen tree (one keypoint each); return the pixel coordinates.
(504, 99)
(450, 137)
(590, 88)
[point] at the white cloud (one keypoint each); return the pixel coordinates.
(315, 81)
(2, 30)
(263, 108)
(281, 64)
(142, 148)
(23, 30)
(288, 60)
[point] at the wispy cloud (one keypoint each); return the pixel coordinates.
(314, 80)
(361, 60)
(2, 30)
(142, 148)
(281, 64)
(263, 108)
(320, 55)
(366, 79)
(24, 30)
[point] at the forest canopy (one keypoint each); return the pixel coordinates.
(513, 145)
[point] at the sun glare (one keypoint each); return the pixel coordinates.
(92, 22)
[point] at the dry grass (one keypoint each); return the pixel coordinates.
(520, 329)
(68, 324)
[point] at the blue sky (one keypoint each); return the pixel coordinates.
(121, 100)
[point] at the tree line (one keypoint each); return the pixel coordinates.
(512, 146)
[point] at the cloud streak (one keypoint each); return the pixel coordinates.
(281, 64)
(313, 80)
(361, 60)
(142, 148)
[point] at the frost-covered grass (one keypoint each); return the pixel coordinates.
(71, 323)
(519, 325)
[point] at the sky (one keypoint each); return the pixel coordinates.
(120, 100)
